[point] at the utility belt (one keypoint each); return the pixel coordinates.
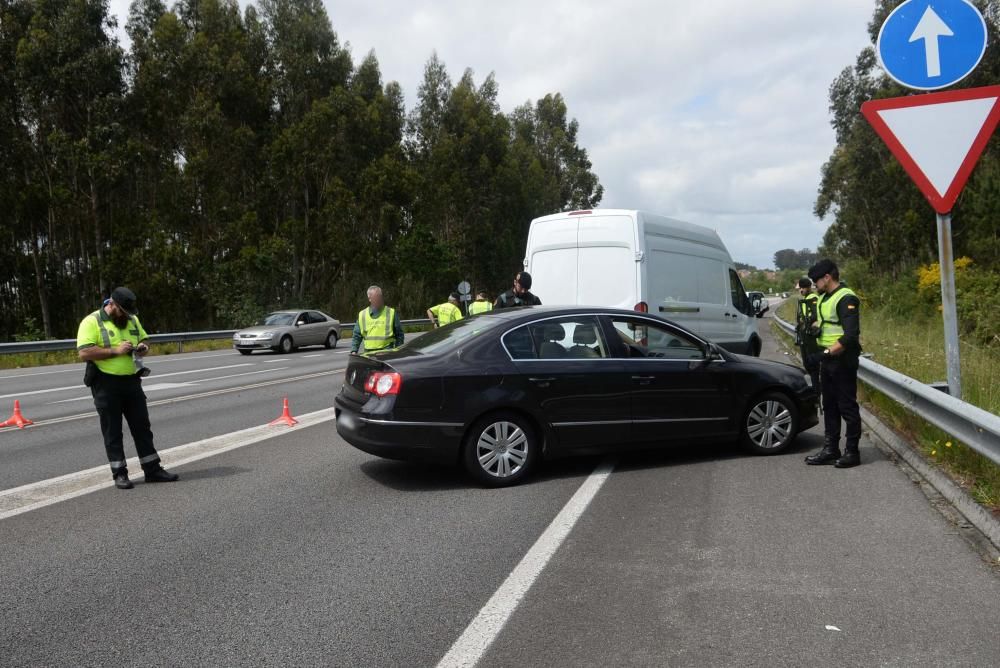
(92, 374)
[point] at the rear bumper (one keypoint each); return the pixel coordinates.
(384, 436)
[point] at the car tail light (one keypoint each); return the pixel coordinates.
(641, 307)
(383, 384)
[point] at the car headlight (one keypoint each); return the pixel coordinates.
(265, 335)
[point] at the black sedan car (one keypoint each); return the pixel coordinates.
(501, 390)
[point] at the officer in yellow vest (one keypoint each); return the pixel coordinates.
(377, 326)
(446, 313)
(805, 335)
(112, 342)
(839, 340)
(481, 305)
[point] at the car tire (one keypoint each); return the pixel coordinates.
(754, 347)
(331, 340)
(285, 345)
(245, 352)
(513, 444)
(769, 424)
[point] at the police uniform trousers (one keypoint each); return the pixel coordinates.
(839, 381)
(116, 397)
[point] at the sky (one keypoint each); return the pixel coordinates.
(713, 112)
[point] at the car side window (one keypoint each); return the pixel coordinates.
(559, 338)
(643, 338)
(313, 317)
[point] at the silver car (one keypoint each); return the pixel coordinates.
(285, 331)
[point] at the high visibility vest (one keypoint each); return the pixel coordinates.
(115, 366)
(477, 307)
(378, 331)
(831, 328)
(446, 313)
(808, 313)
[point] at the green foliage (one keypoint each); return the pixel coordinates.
(230, 163)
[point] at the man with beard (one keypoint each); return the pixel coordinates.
(112, 343)
(519, 295)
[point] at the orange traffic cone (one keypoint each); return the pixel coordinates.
(16, 418)
(286, 417)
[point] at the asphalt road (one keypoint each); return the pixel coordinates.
(301, 550)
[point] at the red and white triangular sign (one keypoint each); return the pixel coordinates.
(937, 137)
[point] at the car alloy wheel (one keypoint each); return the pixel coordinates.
(770, 424)
(501, 449)
(331, 340)
(286, 345)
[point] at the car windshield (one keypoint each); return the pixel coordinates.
(273, 319)
(449, 337)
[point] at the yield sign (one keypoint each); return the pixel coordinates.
(937, 137)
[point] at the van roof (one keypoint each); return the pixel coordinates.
(651, 222)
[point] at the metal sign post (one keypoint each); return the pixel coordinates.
(948, 305)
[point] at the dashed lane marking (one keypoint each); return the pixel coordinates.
(187, 397)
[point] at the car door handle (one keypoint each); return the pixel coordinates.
(542, 382)
(644, 380)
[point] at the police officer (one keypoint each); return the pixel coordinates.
(481, 304)
(520, 294)
(805, 335)
(377, 326)
(839, 326)
(446, 313)
(112, 342)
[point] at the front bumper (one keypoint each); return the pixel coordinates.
(252, 344)
(383, 436)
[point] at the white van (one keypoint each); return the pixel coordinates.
(637, 260)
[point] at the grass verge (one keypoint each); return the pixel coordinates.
(27, 360)
(921, 357)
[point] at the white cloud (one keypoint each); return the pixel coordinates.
(713, 112)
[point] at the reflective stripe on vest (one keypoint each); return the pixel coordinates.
(370, 329)
(104, 330)
(830, 328)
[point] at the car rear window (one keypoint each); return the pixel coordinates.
(450, 337)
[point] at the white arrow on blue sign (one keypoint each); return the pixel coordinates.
(931, 44)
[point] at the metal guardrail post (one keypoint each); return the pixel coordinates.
(977, 428)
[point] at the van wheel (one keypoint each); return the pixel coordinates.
(501, 449)
(754, 347)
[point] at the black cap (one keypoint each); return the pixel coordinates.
(455, 296)
(821, 269)
(524, 278)
(125, 298)
(805, 282)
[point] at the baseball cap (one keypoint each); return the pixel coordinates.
(125, 298)
(805, 282)
(821, 269)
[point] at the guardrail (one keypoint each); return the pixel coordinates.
(977, 428)
(178, 337)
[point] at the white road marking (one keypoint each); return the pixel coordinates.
(480, 634)
(187, 397)
(280, 359)
(159, 375)
(314, 355)
(237, 375)
(26, 498)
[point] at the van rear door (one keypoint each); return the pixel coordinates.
(607, 271)
(552, 260)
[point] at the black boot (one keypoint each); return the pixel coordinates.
(852, 457)
(828, 455)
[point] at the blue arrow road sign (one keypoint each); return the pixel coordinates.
(931, 44)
